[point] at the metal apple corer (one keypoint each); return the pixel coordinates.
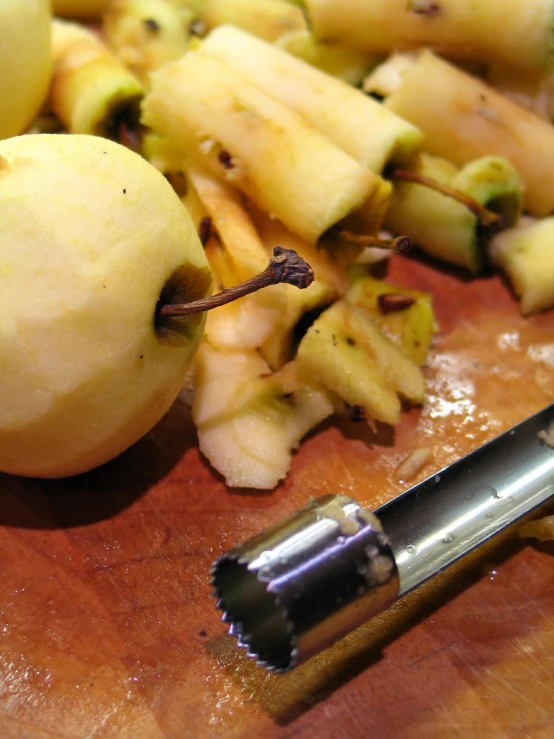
(302, 584)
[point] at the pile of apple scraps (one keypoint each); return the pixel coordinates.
(322, 138)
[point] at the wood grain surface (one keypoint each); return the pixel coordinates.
(108, 628)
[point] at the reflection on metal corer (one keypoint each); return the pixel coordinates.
(302, 584)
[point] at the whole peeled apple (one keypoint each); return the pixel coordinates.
(25, 63)
(93, 239)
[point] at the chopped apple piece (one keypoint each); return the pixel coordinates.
(170, 161)
(444, 227)
(330, 284)
(405, 316)
(360, 126)
(248, 322)
(532, 90)
(268, 19)
(346, 352)
(248, 421)
(324, 264)
(231, 221)
(527, 256)
(340, 60)
(266, 149)
(464, 119)
(490, 31)
(161, 153)
(278, 348)
(146, 34)
(92, 92)
(386, 77)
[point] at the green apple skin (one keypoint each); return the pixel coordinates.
(25, 62)
(91, 234)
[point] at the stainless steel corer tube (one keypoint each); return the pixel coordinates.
(308, 580)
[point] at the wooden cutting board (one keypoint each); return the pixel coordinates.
(108, 629)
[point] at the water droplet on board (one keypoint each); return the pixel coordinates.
(411, 549)
(448, 538)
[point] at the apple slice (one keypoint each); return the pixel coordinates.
(405, 316)
(249, 420)
(469, 119)
(330, 283)
(527, 256)
(146, 34)
(339, 60)
(346, 352)
(263, 147)
(360, 126)
(237, 255)
(446, 228)
(510, 31)
(92, 92)
(268, 19)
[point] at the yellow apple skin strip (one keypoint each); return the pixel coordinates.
(359, 125)
(329, 284)
(272, 154)
(510, 31)
(405, 316)
(146, 34)
(532, 90)
(268, 19)
(247, 421)
(464, 119)
(246, 323)
(339, 60)
(90, 87)
(347, 353)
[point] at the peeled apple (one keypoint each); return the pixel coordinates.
(25, 64)
(92, 237)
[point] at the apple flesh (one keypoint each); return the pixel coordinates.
(92, 235)
(25, 63)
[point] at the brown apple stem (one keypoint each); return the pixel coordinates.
(400, 244)
(284, 266)
(485, 216)
(130, 137)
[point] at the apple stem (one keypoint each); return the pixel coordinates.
(284, 266)
(485, 216)
(399, 244)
